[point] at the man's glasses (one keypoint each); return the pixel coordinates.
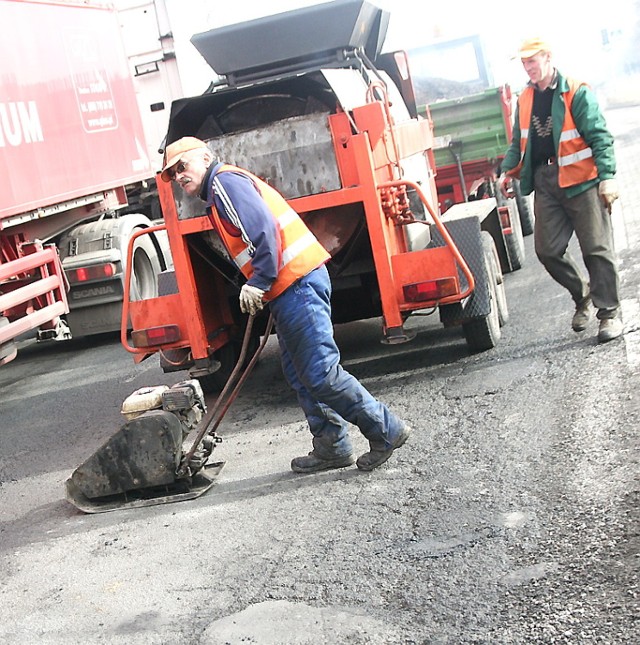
(179, 168)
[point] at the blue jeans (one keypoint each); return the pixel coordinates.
(329, 396)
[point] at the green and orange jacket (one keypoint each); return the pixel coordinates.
(586, 117)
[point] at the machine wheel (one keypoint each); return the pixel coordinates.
(524, 209)
(228, 356)
(484, 333)
(501, 295)
(8, 350)
(514, 243)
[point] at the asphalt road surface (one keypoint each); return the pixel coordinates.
(510, 516)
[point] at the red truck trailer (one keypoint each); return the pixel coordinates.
(308, 102)
(72, 152)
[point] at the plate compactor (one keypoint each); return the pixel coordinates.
(142, 463)
(145, 463)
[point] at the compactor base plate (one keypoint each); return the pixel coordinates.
(179, 492)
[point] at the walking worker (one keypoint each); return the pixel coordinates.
(284, 266)
(562, 150)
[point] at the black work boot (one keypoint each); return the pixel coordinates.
(313, 463)
(379, 454)
(582, 315)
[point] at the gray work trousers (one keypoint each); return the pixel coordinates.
(557, 217)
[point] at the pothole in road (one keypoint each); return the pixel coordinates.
(494, 377)
(280, 622)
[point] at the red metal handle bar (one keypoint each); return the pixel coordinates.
(127, 288)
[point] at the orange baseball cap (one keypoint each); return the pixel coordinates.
(531, 46)
(175, 150)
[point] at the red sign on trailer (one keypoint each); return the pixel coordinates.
(69, 120)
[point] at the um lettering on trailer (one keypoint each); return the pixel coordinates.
(19, 123)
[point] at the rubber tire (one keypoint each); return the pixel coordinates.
(228, 356)
(145, 270)
(525, 210)
(501, 294)
(514, 243)
(484, 333)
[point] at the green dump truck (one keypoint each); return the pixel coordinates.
(472, 134)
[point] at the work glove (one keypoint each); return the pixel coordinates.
(504, 186)
(251, 299)
(608, 191)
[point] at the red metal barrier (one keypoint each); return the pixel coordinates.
(29, 282)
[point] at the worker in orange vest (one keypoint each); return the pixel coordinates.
(562, 150)
(284, 266)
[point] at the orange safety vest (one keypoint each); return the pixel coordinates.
(301, 251)
(575, 158)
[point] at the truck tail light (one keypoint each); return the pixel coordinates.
(93, 272)
(505, 220)
(155, 336)
(431, 290)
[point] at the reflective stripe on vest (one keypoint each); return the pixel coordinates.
(575, 157)
(301, 251)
